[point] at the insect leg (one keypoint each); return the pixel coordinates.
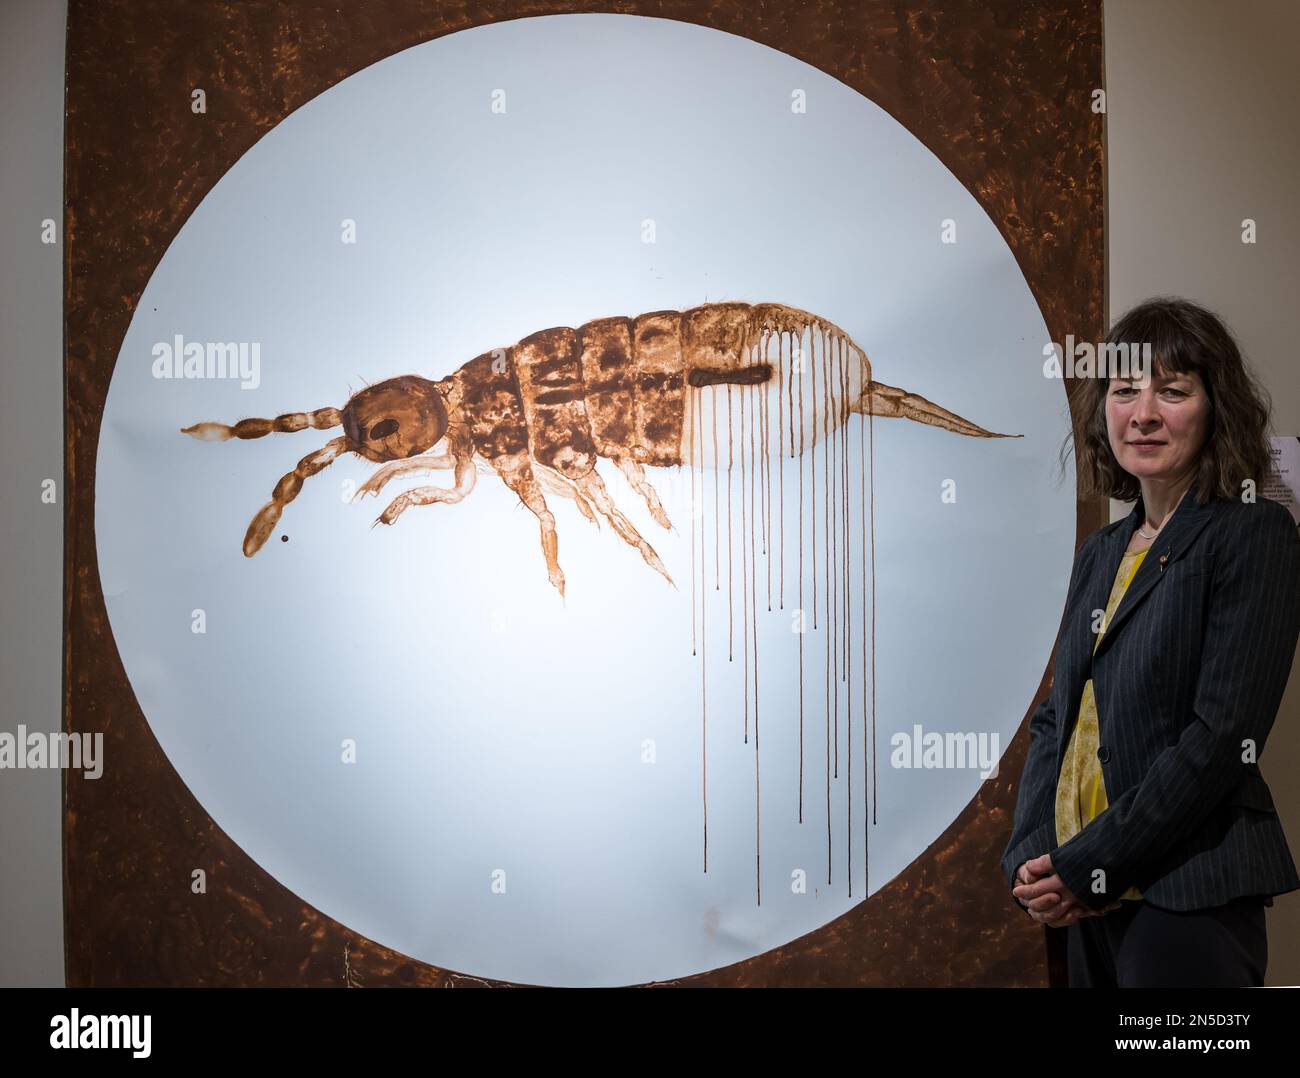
(424, 463)
(593, 487)
(518, 476)
(462, 450)
(554, 482)
(636, 476)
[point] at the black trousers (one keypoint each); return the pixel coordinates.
(1143, 946)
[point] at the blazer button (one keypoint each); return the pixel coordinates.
(1103, 753)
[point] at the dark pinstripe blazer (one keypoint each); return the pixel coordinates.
(1191, 668)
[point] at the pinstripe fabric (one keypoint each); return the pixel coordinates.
(1190, 670)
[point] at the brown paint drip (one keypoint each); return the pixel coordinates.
(690, 463)
(871, 432)
(744, 567)
(753, 615)
(704, 664)
(800, 579)
(812, 476)
(824, 412)
(731, 613)
(765, 463)
(787, 446)
(867, 746)
(831, 473)
(717, 517)
(848, 631)
(844, 442)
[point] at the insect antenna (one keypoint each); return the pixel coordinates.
(259, 531)
(321, 419)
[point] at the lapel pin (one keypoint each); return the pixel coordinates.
(1163, 558)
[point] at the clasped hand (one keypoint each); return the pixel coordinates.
(1045, 895)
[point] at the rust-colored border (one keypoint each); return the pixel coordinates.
(1001, 93)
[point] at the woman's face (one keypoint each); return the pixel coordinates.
(1157, 425)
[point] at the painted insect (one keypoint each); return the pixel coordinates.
(540, 413)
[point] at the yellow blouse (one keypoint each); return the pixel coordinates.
(1081, 789)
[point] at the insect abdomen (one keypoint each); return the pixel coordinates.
(609, 374)
(548, 366)
(638, 371)
(659, 387)
(617, 386)
(490, 401)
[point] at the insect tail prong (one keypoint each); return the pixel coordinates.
(891, 402)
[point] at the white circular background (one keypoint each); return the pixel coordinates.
(501, 733)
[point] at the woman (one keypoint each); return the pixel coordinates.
(1143, 825)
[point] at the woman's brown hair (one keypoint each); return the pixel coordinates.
(1184, 337)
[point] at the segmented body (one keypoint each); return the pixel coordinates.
(545, 409)
(616, 387)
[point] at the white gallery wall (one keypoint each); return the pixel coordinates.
(1200, 136)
